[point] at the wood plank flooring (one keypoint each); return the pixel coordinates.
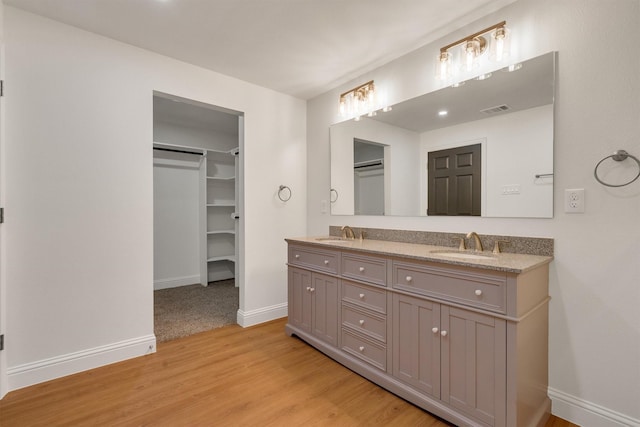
(226, 377)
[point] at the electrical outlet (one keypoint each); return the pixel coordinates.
(574, 200)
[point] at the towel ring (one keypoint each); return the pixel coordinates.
(281, 189)
(618, 156)
(331, 192)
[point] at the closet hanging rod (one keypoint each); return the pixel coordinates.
(177, 151)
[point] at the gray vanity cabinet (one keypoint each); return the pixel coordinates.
(453, 355)
(416, 343)
(473, 364)
(313, 295)
(314, 304)
(466, 343)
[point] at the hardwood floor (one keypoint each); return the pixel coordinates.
(225, 377)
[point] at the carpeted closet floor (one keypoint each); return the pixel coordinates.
(187, 310)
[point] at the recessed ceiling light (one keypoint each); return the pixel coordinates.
(443, 113)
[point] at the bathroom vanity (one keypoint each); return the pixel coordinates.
(461, 335)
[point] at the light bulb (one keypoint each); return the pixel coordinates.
(443, 65)
(500, 44)
(471, 53)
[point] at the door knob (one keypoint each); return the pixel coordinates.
(443, 333)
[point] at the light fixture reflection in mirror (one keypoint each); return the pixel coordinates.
(509, 114)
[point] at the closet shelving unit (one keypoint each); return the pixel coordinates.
(220, 173)
(218, 225)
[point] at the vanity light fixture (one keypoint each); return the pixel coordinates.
(471, 48)
(359, 100)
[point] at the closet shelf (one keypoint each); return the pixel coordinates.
(222, 232)
(232, 152)
(231, 258)
(222, 178)
(221, 205)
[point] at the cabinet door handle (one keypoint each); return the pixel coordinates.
(308, 288)
(326, 262)
(443, 333)
(312, 289)
(434, 330)
(361, 269)
(361, 322)
(361, 296)
(361, 348)
(478, 292)
(296, 256)
(409, 278)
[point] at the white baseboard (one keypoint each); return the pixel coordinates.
(261, 315)
(175, 282)
(584, 413)
(72, 363)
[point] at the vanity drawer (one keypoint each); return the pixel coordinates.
(364, 296)
(364, 349)
(317, 259)
(366, 268)
(485, 290)
(372, 325)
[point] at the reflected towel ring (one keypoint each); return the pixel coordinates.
(618, 156)
(333, 200)
(281, 189)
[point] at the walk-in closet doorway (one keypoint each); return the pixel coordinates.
(197, 217)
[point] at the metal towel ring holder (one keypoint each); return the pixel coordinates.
(281, 189)
(331, 193)
(618, 156)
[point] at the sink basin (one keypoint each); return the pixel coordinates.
(464, 255)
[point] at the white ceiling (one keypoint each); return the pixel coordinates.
(299, 47)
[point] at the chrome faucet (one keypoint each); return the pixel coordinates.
(347, 232)
(476, 238)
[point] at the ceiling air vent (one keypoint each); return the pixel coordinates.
(497, 109)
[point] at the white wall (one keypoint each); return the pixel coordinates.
(594, 374)
(79, 186)
(173, 133)
(176, 224)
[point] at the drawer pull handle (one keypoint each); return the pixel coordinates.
(409, 278)
(434, 330)
(443, 333)
(361, 269)
(326, 262)
(296, 256)
(478, 292)
(361, 348)
(361, 296)
(361, 322)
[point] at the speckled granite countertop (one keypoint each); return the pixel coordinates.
(508, 262)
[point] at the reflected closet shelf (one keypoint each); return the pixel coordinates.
(221, 204)
(222, 232)
(231, 258)
(222, 178)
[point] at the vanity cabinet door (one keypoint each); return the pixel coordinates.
(313, 304)
(416, 343)
(300, 298)
(324, 307)
(474, 364)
